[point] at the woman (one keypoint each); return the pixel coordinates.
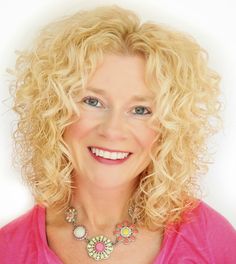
(114, 115)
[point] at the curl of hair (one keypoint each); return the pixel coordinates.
(49, 81)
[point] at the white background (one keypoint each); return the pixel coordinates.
(210, 22)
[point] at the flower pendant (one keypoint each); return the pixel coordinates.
(99, 247)
(71, 215)
(125, 232)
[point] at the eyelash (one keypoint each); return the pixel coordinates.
(94, 98)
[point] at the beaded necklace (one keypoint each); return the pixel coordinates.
(100, 247)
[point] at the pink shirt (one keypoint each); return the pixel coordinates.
(207, 238)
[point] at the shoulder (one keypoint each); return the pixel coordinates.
(206, 221)
(203, 235)
(212, 222)
(21, 234)
(219, 233)
(23, 224)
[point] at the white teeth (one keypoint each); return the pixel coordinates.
(109, 155)
(104, 154)
(120, 156)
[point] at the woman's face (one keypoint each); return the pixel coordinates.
(115, 108)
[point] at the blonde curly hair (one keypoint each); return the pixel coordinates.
(50, 77)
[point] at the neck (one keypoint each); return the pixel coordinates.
(101, 208)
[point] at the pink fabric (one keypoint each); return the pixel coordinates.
(207, 238)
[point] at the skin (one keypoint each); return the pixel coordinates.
(112, 120)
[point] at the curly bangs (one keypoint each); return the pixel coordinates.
(51, 76)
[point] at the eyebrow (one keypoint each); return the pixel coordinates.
(138, 98)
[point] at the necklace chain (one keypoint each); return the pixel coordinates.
(100, 247)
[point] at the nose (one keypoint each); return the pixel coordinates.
(113, 125)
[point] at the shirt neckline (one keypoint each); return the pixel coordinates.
(42, 221)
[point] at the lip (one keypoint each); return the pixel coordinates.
(110, 150)
(108, 161)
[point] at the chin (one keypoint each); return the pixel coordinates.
(111, 182)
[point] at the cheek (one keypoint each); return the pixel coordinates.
(78, 130)
(145, 136)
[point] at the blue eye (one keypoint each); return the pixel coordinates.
(94, 102)
(91, 101)
(142, 110)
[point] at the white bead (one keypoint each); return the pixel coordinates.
(79, 232)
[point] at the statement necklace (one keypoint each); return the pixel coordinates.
(100, 247)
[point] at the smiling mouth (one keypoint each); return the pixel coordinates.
(109, 150)
(109, 155)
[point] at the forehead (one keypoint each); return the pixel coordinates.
(120, 75)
